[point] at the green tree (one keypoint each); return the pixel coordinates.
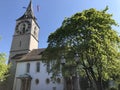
(3, 67)
(89, 34)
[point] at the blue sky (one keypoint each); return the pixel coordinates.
(49, 17)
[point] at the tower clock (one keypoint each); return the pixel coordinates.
(23, 27)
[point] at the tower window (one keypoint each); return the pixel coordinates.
(38, 67)
(20, 44)
(35, 31)
(28, 68)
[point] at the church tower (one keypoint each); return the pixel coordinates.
(25, 37)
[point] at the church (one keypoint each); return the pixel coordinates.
(29, 71)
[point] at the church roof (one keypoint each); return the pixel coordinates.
(29, 13)
(34, 55)
(18, 56)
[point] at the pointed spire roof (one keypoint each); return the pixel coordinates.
(29, 13)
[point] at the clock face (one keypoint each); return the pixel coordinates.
(22, 27)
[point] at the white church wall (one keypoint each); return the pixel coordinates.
(41, 76)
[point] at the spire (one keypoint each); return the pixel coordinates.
(29, 12)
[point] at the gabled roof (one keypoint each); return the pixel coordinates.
(29, 13)
(35, 54)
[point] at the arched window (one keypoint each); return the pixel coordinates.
(37, 81)
(38, 67)
(28, 68)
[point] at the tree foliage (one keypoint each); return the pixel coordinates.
(89, 34)
(3, 67)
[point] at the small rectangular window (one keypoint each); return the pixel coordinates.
(28, 68)
(20, 43)
(38, 67)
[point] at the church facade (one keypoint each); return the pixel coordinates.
(31, 74)
(28, 70)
